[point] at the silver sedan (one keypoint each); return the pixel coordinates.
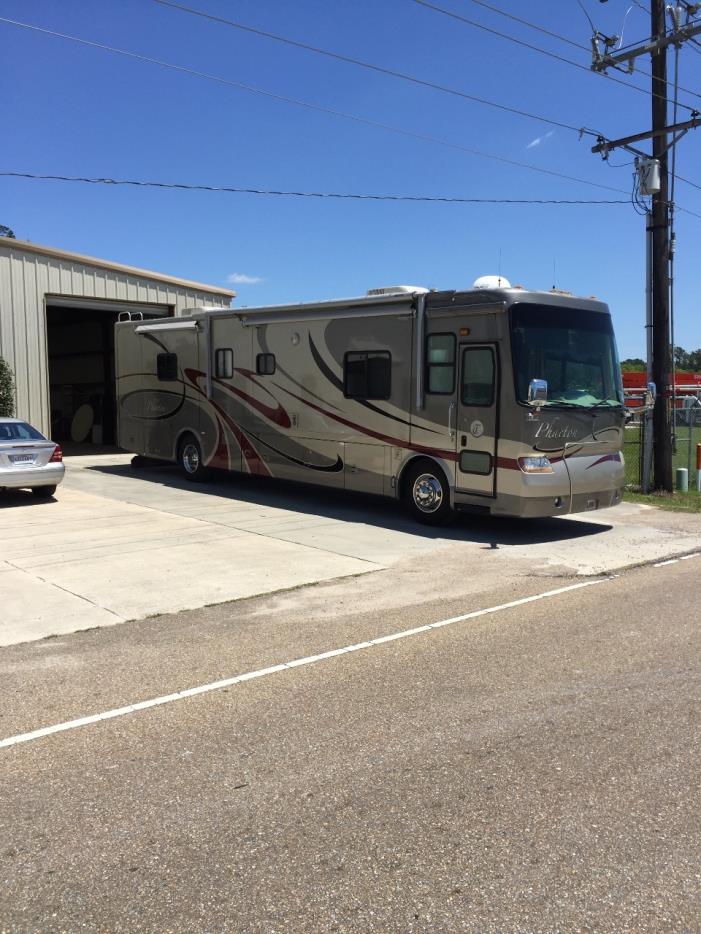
(28, 460)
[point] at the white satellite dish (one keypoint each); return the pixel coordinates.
(491, 282)
(82, 423)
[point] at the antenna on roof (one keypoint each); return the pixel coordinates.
(499, 268)
(554, 276)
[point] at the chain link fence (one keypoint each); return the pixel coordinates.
(686, 435)
(634, 438)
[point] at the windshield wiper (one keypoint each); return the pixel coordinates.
(609, 403)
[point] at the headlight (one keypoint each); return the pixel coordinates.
(539, 464)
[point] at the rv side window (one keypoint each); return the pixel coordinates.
(477, 376)
(224, 363)
(265, 364)
(167, 367)
(440, 364)
(367, 375)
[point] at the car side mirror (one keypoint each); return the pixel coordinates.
(538, 392)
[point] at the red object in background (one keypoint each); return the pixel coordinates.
(638, 380)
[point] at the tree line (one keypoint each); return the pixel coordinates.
(688, 360)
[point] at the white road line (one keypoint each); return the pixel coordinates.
(662, 564)
(274, 669)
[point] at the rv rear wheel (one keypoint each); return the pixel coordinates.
(190, 459)
(426, 493)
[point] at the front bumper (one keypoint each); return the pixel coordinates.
(539, 507)
(544, 506)
(30, 477)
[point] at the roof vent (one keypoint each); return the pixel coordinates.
(491, 282)
(393, 289)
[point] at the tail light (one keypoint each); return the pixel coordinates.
(57, 456)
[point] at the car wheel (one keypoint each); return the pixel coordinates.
(190, 460)
(43, 492)
(426, 493)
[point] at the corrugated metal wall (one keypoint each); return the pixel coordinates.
(26, 277)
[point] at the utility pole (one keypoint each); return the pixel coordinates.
(659, 222)
(658, 219)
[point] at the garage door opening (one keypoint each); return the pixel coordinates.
(82, 389)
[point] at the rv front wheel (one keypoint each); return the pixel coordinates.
(190, 459)
(426, 493)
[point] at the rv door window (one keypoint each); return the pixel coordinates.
(440, 364)
(265, 364)
(477, 376)
(167, 367)
(479, 462)
(367, 375)
(224, 363)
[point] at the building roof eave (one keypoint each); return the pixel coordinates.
(8, 243)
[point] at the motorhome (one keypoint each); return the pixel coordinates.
(491, 400)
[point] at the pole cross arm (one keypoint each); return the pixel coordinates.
(606, 145)
(602, 61)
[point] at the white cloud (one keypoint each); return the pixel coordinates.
(540, 139)
(240, 278)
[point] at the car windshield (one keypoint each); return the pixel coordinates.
(574, 350)
(19, 431)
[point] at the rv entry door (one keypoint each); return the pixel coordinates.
(477, 419)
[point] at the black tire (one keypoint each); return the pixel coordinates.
(43, 492)
(426, 493)
(190, 460)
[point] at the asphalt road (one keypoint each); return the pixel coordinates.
(531, 769)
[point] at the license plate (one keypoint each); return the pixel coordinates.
(21, 458)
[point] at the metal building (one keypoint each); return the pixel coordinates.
(57, 314)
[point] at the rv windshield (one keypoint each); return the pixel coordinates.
(574, 350)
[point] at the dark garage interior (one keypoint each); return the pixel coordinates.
(82, 389)
(81, 375)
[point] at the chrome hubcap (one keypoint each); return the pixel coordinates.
(428, 492)
(191, 458)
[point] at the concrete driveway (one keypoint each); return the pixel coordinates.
(119, 544)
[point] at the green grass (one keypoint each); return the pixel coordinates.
(677, 502)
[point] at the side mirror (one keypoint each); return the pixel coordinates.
(537, 392)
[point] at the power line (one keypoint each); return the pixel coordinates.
(641, 7)
(680, 178)
(309, 105)
(526, 45)
(525, 22)
(321, 109)
(571, 42)
(344, 196)
(378, 69)
(304, 194)
(623, 26)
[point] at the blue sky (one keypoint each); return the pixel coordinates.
(72, 110)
